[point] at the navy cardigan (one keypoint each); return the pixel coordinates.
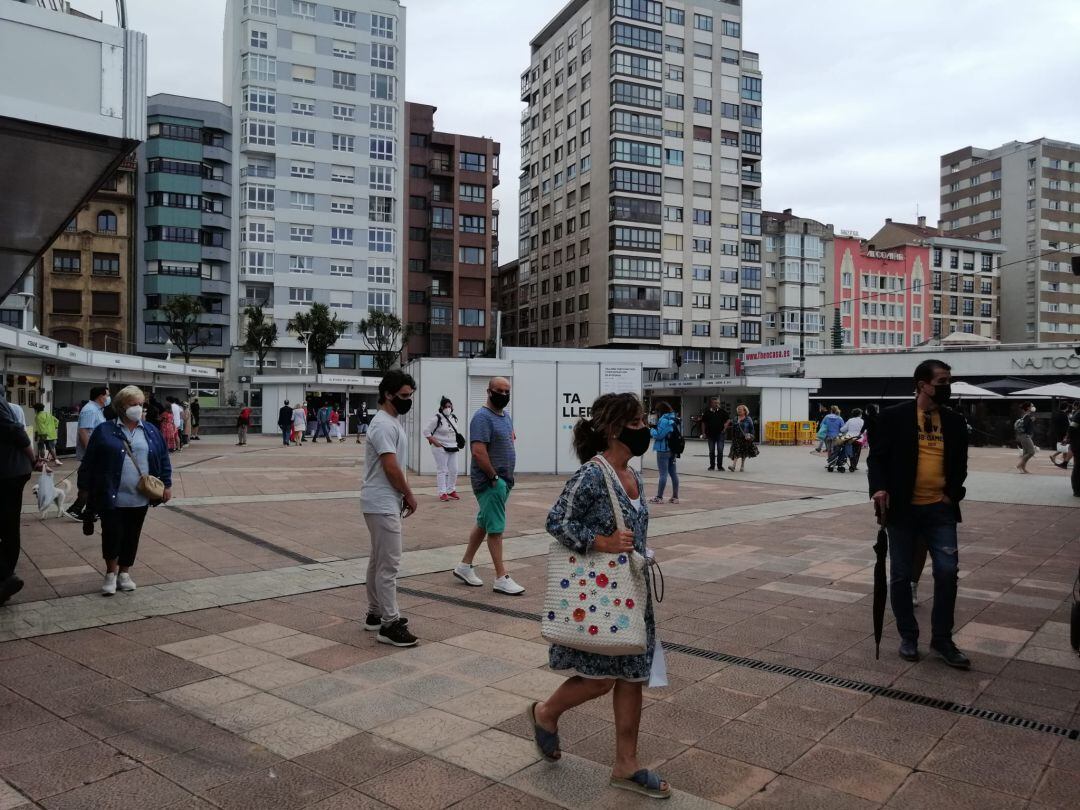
(103, 463)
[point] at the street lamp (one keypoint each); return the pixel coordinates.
(306, 335)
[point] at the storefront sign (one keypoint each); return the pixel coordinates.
(882, 254)
(771, 356)
(107, 360)
(1062, 363)
(37, 344)
(573, 408)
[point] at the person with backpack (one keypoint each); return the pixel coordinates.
(243, 422)
(446, 441)
(669, 443)
(1025, 430)
(743, 445)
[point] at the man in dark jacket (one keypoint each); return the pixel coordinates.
(17, 461)
(284, 421)
(917, 469)
(713, 423)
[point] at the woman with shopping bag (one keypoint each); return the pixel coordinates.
(599, 631)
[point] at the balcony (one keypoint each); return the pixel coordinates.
(441, 165)
(258, 301)
(635, 304)
(76, 111)
(751, 204)
(750, 176)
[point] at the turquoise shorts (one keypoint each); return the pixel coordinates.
(492, 515)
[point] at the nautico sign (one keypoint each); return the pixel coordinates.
(1060, 362)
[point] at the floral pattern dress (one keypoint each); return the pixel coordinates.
(582, 512)
(742, 447)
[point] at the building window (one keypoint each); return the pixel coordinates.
(380, 178)
(106, 264)
(380, 240)
(301, 295)
(382, 26)
(67, 261)
(257, 67)
(471, 255)
(304, 171)
(379, 274)
(343, 143)
(703, 106)
(382, 117)
(343, 50)
(471, 317)
(343, 81)
(341, 269)
(67, 302)
(346, 112)
(303, 137)
(301, 233)
(380, 149)
(472, 224)
(472, 162)
(106, 222)
(634, 36)
(301, 264)
(303, 10)
(383, 87)
(383, 56)
(703, 22)
(472, 193)
(341, 236)
(344, 18)
(259, 39)
(260, 100)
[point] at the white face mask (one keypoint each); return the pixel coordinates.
(134, 413)
(447, 411)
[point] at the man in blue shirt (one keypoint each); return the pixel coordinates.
(491, 435)
(91, 415)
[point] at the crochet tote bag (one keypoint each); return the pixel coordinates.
(596, 602)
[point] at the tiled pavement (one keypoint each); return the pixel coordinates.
(285, 702)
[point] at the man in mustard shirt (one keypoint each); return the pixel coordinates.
(917, 468)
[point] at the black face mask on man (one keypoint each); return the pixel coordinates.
(942, 393)
(636, 439)
(402, 406)
(499, 400)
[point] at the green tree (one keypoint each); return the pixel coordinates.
(180, 317)
(387, 336)
(837, 330)
(318, 329)
(261, 334)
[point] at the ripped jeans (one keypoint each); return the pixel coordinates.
(936, 525)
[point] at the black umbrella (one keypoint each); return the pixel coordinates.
(881, 587)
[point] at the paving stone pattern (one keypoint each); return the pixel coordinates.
(259, 688)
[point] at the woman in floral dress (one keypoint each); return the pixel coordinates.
(742, 438)
(583, 520)
(169, 431)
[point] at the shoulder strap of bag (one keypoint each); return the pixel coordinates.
(131, 453)
(605, 469)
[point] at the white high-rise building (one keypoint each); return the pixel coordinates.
(317, 93)
(640, 191)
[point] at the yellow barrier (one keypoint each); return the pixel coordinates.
(806, 432)
(780, 433)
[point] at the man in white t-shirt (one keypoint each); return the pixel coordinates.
(854, 427)
(386, 500)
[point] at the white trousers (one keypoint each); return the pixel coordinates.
(383, 564)
(446, 469)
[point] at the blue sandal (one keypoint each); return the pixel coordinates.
(645, 782)
(547, 742)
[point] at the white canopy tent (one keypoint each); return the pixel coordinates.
(963, 389)
(1053, 390)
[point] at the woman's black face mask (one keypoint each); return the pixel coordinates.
(637, 439)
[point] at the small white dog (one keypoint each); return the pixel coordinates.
(60, 498)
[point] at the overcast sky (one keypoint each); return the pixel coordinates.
(861, 97)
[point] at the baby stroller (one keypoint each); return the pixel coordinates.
(838, 455)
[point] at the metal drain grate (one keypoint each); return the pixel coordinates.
(794, 672)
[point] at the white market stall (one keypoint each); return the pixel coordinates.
(550, 390)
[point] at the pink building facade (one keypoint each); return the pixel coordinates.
(883, 296)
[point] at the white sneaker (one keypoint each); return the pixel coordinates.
(125, 582)
(467, 574)
(915, 593)
(506, 585)
(108, 588)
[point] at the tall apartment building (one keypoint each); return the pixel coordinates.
(316, 91)
(185, 211)
(453, 238)
(883, 295)
(798, 254)
(965, 277)
(1027, 197)
(85, 286)
(660, 106)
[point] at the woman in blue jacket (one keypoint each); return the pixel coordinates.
(665, 459)
(119, 453)
(833, 424)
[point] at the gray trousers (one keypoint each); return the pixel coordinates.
(383, 564)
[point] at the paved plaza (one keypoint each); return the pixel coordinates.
(238, 675)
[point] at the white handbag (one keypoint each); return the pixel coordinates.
(596, 602)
